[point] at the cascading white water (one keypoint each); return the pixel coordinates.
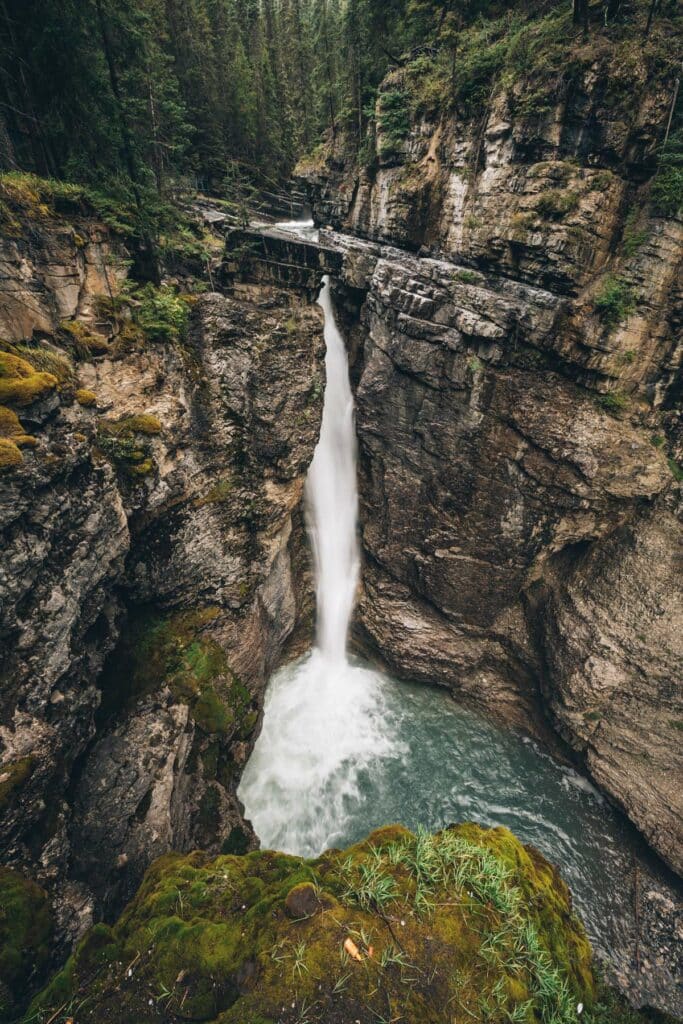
(323, 724)
(332, 498)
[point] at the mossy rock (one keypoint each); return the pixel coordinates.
(10, 456)
(11, 430)
(467, 924)
(25, 934)
(20, 383)
(127, 426)
(13, 775)
(175, 650)
(123, 441)
(85, 342)
(86, 398)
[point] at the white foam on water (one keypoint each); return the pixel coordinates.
(325, 720)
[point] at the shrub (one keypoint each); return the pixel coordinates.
(467, 276)
(555, 205)
(614, 401)
(667, 188)
(615, 302)
(160, 312)
(393, 121)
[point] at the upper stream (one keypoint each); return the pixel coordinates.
(345, 748)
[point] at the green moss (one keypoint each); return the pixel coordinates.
(20, 383)
(123, 442)
(224, 938)
(86, 398)
(10, 456)
(13, 432)
(47, 360)
(676, 469)
(85, 343)
(12, 777)
(141, 423)
(25, 934)
(175, 651)
(211, 714)
(218, 494)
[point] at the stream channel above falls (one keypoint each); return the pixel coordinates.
(345, 748)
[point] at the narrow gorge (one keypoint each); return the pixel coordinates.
(340, 602)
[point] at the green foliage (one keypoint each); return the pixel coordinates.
(174, 651)
(676, 470)
(467, 276)
(25, 934)
(615, 301)
(501, 939)
(393, 122)
(160, 312)
(614, 402)
(667, 188)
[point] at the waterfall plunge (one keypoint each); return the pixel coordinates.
(324, 721)
(332, 499)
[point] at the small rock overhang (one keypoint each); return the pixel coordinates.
(267, 255)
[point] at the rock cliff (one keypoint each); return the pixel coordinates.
(153, 560)
(513, 306)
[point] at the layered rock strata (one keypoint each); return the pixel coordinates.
(153, 564)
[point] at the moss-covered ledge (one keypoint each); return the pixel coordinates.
(464, 925)
(26, 926)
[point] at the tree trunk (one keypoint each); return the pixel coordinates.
(650, 16)
(580, 15)
(8, 161)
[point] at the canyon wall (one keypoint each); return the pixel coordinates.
(153, 558)
(512, 297)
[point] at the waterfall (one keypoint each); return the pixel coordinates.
(332, 498)
(324, 724)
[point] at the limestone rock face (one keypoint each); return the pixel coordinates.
(153, 567)
(519, 420)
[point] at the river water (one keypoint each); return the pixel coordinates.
(345, 748)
